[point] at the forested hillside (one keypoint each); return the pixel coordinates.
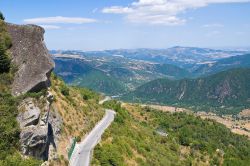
(81, 74)
(142, 136)
(241, 61)
(228, 89)
(112, 75)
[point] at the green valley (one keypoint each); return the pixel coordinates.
(228, 91)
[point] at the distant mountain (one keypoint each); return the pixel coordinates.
(188, 58)
(180, 56)
(113, 74)
(224, 64)
(225, 89)
(78, 73)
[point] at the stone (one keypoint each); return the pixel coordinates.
(40, 128)
(50, 97)
(56, 123)
(31, 57)
(29, 115)
(46, 163)
(34, 141)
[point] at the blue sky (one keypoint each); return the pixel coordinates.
(112, 24)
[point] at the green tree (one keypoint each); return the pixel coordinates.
(4, 60)
(1, 16)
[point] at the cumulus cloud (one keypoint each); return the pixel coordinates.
(50, 26)
(59, 20)
(162, 12)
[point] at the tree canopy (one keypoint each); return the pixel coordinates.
(1, 16)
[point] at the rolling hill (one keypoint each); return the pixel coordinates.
(112, 75)
(79, 73)
(180, 56)
(223, 64)
(223, 90)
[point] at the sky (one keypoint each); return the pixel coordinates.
(114, 24)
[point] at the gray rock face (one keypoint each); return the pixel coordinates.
(34, 141)
(31, 114)
(40, 128)
(33, 136)
(31, 57)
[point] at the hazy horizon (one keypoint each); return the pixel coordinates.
(130, 24)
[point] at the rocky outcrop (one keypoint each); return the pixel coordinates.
(40, 127)
(34, 131)
(29, 114)
(31, 57)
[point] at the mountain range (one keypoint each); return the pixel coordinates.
(180, 56)
(112, 74)
(115, 72)
(227, 89)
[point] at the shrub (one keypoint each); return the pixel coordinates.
(78, 139)
(64, 90)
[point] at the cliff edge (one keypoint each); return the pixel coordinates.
(31, 57)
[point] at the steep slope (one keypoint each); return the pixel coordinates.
(79, 111)
(228, 88)
(38, 122)
(143, 136)
(79, 73)
(224, 64)
(114, 74)
(31, 58)
(9, 127)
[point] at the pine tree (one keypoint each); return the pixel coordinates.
(1, 16)
(4, 60)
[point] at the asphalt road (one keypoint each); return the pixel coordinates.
(82, 152)
(107, 98)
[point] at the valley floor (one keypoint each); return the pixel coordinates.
(239, 125)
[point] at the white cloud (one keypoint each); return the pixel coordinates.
(59, 20)
(50, 26)
(162, 12)
(118, 10)
(213, 25)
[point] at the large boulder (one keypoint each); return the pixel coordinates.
(31, 57)
(34, 140)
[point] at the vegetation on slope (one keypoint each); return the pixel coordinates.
(241, 61)
(81, 74)
(5, 44)
(133, 139)
(79, 110)
(100, 82)
(228, 90)
(112, 75)
(9, 128)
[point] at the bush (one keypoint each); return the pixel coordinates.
(65, 90)
(78, 139)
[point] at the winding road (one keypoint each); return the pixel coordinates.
(82, 152)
